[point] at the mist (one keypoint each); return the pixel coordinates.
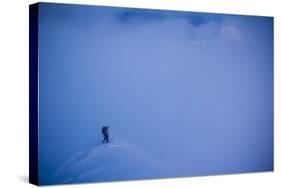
(194, 90)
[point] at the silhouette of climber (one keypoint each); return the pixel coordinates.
(104, 131)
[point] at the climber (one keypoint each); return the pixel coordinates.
(104, 131)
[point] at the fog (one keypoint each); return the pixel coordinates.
(194, 90)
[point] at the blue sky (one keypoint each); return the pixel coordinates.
(197, 86)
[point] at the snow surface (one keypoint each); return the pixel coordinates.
(117, 160)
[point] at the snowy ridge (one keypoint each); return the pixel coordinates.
(117, 160)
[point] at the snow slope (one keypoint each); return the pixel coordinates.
(117, 160)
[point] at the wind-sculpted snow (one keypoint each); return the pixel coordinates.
(117, 160)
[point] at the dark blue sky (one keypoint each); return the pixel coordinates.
(193, 89)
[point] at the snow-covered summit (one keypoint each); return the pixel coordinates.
(117, 160)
